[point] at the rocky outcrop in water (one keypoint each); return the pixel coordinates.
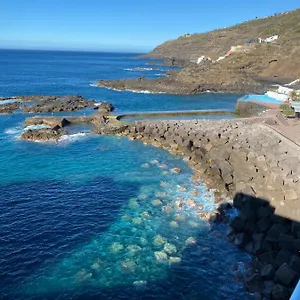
(105, 107)
(44, 135)
(9, 108)
(56, 103)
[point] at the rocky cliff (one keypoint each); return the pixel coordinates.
(235, 59)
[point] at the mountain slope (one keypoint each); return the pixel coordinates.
(216, 43)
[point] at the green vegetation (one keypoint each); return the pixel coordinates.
(287, 110)
(294, 96)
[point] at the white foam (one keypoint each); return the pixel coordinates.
(138, 69)
(132, 91)
(36, 127)
(9, 101)
(70, 138)
(14, 130)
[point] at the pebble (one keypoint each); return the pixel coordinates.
(156, 203)
(161, 256)
(190, 241)
(174, 260)
(174, 224)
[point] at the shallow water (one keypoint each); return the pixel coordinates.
(89, 216)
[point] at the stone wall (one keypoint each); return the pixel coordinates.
(250, 162)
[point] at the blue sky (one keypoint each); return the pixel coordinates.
(120, 25)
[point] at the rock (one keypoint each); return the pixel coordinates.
(161, 256)
(140, 284)
(268, 272)
(128, 266)
(190, 241)
(280, 292)
(238, 224)
(83, 275)
(176, 170)
(170, 248)
(267, 291)
(157, 203)
(159, 241)
(9, 107)
(105, 107)
(116, 247)
(174, 224)
(133, 249)
(174, 260)
(241, 239)
(57, 103)
(295, 263)
(285, 275)
(254, 283)
(283, 256)
(286, 241)
(44, 134)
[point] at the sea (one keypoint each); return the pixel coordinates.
(102, 217)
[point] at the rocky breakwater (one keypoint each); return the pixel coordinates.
(248, 161)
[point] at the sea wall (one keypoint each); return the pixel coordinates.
(248, 108)
(248, 161)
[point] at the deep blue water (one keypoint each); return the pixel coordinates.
(96, 217)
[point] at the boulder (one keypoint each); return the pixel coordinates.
(285, 275)
(280, 292)
(254, 283)
(105, 107)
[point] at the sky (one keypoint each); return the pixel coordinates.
(120, 25)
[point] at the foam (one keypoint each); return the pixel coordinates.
(70, 138)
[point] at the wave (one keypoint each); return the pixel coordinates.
(132, 91)
(8, 101)
(93, 84)
(36, 127)
(14, 130)
(139, 69)
(70, 138)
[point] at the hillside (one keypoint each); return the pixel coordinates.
(235, 59)
(216, 43)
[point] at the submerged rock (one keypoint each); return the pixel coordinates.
(176, 170)
(159, 240)
(128, 266)
(116, 247)
(170, 248)
(161, 256)
(137, 221)
(140, 284)
(174, 224)
(133, 249)
(145, 166)
(190, 241)
(157, 203)
(97, 265)
(174, 260)
(83, 275)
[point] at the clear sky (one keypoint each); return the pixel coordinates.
(120, 25)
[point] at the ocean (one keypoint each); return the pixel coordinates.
(97, 217)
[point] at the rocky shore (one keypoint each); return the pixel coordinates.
(248, 161)
(241, 159)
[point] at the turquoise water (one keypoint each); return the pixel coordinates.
(95, 217)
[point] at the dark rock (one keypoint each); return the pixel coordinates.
(254, 283)
(105, 107)
(263, 225)
(43, 134)
(283, 256)
(280, 292)
(268, 272)
(9, 107)
(295, 263)
(285, 275)
(285, 241)
(241, 239)
(268, 257)
(264, 212)
(238, 224)
(267, 291)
